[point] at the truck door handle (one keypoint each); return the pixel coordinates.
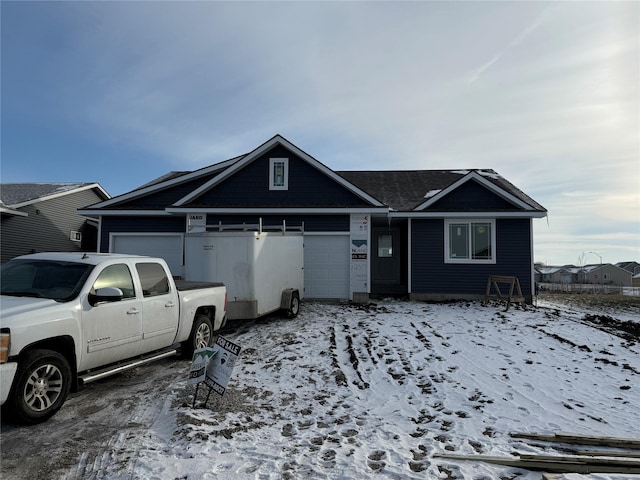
(169, 304)
(133, 311)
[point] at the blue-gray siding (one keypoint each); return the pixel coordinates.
(161, 199)
(471, 196)
(430, 275)
(307, 187)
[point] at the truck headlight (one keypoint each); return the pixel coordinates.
(5, 343)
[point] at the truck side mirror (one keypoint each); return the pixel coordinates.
(107, 294)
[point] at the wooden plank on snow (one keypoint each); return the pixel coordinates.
(576, 439)
(603, 453)
(586, 460)
(554, 465)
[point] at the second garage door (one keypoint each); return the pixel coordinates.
(326, 266)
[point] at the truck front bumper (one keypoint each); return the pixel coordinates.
(7, 372)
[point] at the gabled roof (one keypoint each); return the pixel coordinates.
(400, 190)
(220, 171)
(631, 266)
(596, 266)
(171, 179)
(16, 195)
(548, 270)
(408, 192)
(268, 145)
(415, 190)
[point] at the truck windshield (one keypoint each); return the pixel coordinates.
(59, 281)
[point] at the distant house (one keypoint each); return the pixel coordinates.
(633, 267)
(43, 217)
(605, 274)
(566, 274)
(426, 234)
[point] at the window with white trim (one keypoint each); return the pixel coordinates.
(278, 173)
(469, 241)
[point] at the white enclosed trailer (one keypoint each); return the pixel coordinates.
(263, 271)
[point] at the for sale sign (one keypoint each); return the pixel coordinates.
(221, 365)
(201, 358)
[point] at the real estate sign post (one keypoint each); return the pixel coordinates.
(213, 366)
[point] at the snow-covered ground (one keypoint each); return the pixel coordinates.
(351, 392)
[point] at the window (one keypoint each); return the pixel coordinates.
(278, 173)
(470, 241)
(385, 245)
(117, 276)
(153, 279)
(59, 281)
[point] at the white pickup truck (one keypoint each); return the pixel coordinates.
(70, 318)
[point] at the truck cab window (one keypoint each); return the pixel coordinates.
(153, 279)
(117, 276)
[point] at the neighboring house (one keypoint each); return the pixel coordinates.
(567, 274)
(633, 267)
(40, 217)
(605, 274)
(426, 234)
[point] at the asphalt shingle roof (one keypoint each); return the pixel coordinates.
(404, 190)
(17, 193)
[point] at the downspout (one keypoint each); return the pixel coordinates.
(532, 263)
(409, 251)
(99, 246)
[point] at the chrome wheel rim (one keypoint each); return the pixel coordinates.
(203, 336)
(43, 387)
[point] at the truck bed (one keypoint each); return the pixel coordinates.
(184, 285)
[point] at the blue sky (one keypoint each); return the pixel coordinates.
(547, 94)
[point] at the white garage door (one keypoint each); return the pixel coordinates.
(326, 266)
(167, 246)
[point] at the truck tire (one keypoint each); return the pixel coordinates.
(41, 386)
(294, 306)
(201, 336)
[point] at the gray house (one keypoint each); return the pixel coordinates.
(633, 267)
(566, 274)
(426, 234)
(43, 217)
(605, 274)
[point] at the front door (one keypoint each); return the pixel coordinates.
(386, 261)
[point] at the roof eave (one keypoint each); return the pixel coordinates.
(473, 175)
(279, 210)
(467, 214)
(62, 194)
(140, 192)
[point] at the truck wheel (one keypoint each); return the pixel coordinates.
(294, 307)
(201, 336)
(41, 386)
